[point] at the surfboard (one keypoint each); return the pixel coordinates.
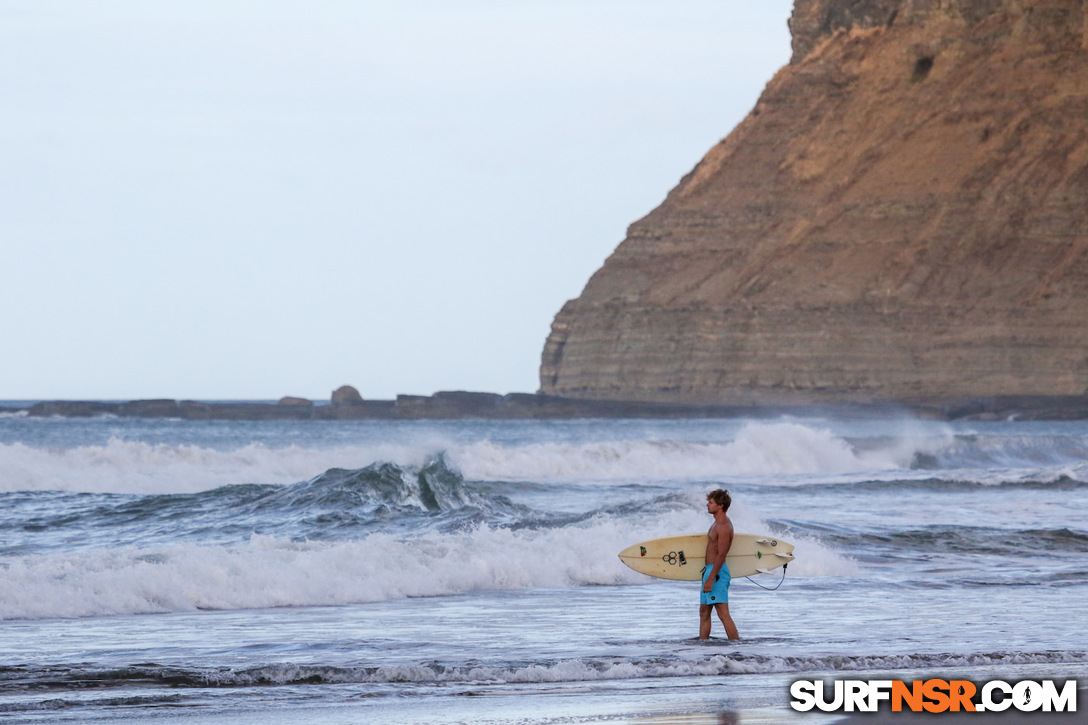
(683, 557)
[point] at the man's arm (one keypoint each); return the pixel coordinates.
(725, 540)
(722, 542)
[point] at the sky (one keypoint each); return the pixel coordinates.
(246, 199)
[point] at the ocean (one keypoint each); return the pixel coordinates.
(156, 570)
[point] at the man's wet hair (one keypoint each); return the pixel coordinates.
(721, 497)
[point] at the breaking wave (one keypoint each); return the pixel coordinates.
(267, 571)
(547, 671)
(776, 452)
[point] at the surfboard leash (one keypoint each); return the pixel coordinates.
(771, 589)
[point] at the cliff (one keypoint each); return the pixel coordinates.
(902, 216)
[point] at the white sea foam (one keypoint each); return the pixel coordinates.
(125, 466)
(122, 466)
(593, 670)
(778, 452)
(274, 572)
(758, 449)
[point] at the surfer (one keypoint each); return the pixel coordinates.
(715, 594)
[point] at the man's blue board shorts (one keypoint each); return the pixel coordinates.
(719, 593)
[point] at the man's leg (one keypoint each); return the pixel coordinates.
(727, 621)
(704, 621)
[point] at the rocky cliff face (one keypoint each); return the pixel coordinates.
(902, 216)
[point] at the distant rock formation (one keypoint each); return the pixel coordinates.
(346, 395)
(292, 400)
(902, 216)
(453, 405)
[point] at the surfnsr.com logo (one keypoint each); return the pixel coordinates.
(934, 696)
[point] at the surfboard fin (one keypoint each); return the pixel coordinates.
(764, 571)
(780, 555)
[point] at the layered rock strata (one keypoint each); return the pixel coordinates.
(902, 216)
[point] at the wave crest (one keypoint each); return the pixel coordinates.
(544, 671)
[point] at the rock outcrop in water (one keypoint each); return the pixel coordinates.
(346, 395)
(902, 216)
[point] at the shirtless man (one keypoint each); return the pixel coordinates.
(715, 593)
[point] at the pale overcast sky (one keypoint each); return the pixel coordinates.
(221, 199)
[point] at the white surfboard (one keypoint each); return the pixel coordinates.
(683, 557)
